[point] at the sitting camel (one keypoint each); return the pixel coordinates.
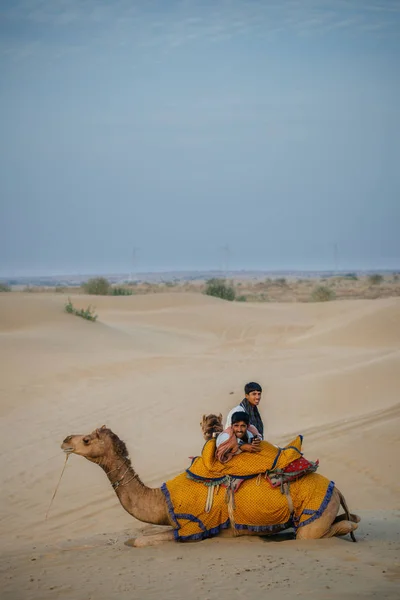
(150, 505)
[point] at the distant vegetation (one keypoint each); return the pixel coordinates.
(375, 279)
(100, 286)
(351, 276)
(241, 298)
(120, 291)
(322, 293)
(87, 313)
(220, 289)
(4, 287)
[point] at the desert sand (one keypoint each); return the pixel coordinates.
(149, 368)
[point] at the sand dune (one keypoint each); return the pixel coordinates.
(149, 368)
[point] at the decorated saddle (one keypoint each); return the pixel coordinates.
(210, 496)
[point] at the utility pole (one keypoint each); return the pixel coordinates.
(335, 256)
(226, 254)
(134, 262)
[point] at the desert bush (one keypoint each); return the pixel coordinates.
(322, 293)
(98, 286)
(4, 287)
(351, 276)
(120, 291)
(60, 289)
(281, 281)
(241, 298)
(220, 289)
(87, 313)
(375, 279)
(396, 277)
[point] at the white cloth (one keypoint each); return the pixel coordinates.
(229, 417)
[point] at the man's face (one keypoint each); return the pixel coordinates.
(254, 398)
(239, 429)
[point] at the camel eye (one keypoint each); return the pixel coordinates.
(86, 440)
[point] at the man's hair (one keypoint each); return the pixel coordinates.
(252, 387)
(239, 416)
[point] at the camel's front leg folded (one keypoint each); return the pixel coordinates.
(151, 540)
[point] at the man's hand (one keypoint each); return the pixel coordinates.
(250, 448)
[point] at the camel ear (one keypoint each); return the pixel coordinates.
(220, 417)
(99, 430)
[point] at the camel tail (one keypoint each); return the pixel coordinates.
(343, 504)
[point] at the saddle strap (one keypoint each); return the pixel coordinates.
(285, 489)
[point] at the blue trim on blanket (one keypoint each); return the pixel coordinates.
(165, 491)
(206, 533)
(321, 509)
(203, 535)
(265, 528)
(308, 511)
(190, 517)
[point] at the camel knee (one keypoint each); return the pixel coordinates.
(341, 528)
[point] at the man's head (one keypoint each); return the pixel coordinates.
(240, 422)
(253, 393)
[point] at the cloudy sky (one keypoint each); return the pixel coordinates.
(179, 127)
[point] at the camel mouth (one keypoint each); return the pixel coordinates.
(68, 449)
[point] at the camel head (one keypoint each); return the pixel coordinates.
(211, 426)
(101, 443)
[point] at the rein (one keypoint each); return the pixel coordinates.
(120, 482)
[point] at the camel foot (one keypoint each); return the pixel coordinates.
(342, 528)
(150, 540)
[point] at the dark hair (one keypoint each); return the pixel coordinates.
(240, 415)
(252, 387)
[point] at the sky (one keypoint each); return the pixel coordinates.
(151, 134)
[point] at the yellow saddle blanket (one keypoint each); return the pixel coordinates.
(201, 501)
(245, 465)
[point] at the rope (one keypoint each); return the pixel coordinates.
(59, 481)
(210, 498)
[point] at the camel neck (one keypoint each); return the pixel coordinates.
(144, 503)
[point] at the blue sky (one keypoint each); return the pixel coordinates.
(179, 127)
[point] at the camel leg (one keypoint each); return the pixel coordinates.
(341, 528)
(353, 518)
(151, 540)
(327, 525)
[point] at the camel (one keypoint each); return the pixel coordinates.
(149, 505)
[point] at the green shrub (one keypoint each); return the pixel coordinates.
(87, 313)
(120, 291)
(60, 289)
(220, 289)
(98, 286)
(241, 298)
(4, 287)
(351, 276)
(322, 293)
(281, 281)
(375, 279)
